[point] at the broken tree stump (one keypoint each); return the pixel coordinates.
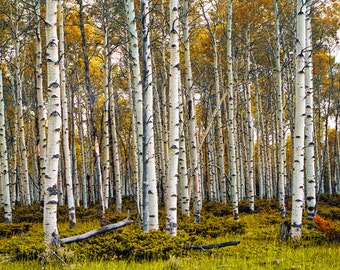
(102, 230)
(218, 245)
(284, 231)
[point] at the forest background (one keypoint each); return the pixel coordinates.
(166, 103)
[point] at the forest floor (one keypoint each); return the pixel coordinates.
(21, 244)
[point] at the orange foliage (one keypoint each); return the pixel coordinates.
(330, 228)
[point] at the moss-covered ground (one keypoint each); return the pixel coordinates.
(21, 244)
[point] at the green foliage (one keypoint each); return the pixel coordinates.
(31, 215)
(27, 247)
(8, 230)
(258, 233)
(133, 244)
(213, 227)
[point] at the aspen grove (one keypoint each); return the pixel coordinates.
(170, 103)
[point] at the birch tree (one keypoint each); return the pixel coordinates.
(41, 104)
(137, 89)
(51, 234)
(171, 188)
(309, 125)
(280, 143)
(150, 216)
(191, 119)
(299, 122)
(4, 173)
(65, 120)
(231, 118)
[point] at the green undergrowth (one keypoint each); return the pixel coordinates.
(21, 243)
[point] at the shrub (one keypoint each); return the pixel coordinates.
(7, 230)
(330, 228)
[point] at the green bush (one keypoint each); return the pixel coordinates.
(8, 230)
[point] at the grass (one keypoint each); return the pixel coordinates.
(260, 248)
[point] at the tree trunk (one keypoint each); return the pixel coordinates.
(309, 125)
(137, 89)
(65, 137)
(4, 172)
(231, 118)
(281, 139)
(298, 142)
(41, 106)
(171, 194)
(54, 123)
(150, 195)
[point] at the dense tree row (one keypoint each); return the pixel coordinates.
(168, 102)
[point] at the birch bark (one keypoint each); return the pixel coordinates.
(4, 173)
(299, 122)
(41, 105)
(309, 125)
(171, 194)
(231, 118)
(65, 119)
(149, 159)
(137, 89)
(51, 234)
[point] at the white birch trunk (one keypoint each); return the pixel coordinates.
(298, 140)
(171, 194)
(309, 126)
(41, 106)
(137, 89)
(106, 121)
(183, 170)
(51, 234)
(84, 185)
(231, 118)
(4, 177)
(250, 133)
(194, 178)
(115, 149)
(280, 144)
(65, 129)
(149, 175)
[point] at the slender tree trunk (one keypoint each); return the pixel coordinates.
(194, 178)
(171, 194)
(41, 106)
(281, 139)
(106, 120)
(149, 159)
(85, 187)
(137, 89)
(65, 137)
(231, 118)
(300, 109)
(250, 133)
(54, 123)
(4, 177)
(183, 170)
(309, 125)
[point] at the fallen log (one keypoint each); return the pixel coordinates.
(102, 230)
(218, 245)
